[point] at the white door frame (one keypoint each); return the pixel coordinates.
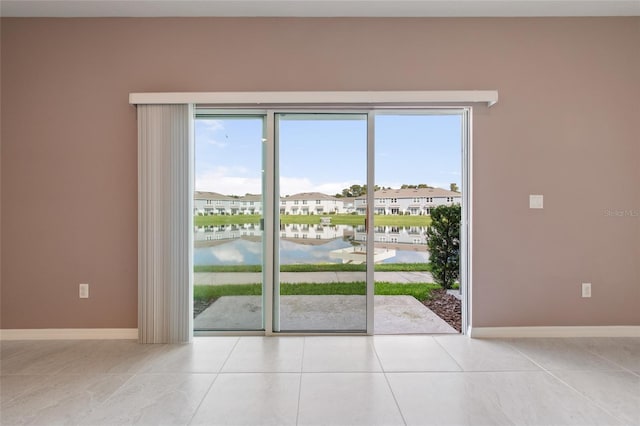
(271, 206)
(371, 99)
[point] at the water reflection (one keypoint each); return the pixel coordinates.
(242, 244)
(395, 234)
(383, 234)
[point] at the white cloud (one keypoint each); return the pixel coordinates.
(238, 181)
(227, 254)
(212, 125)
(290, 186)
(214, 142)
(209, 130)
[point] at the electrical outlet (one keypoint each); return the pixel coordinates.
(84, 291)
(536, 201)
(586, 289)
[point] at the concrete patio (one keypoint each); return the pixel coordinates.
(392, 315)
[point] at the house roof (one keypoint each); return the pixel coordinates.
(309, 196)
(251, 197)
(204, 195)
(207, 195)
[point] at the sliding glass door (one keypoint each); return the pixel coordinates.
(229, 204)
(418, 160)
(320, 284)
(282, 204)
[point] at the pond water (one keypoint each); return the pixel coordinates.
(241, 244)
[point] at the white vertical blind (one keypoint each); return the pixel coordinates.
(165, 204)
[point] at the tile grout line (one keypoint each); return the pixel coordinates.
(304, 344)
(609, 361)
(447, 352)
(585, 396)
(386, 379)
(229, 355)
(542, 370)
(525, 355)
(558, 379)
(204, 396)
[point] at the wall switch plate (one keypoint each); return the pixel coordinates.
(84, 291)
(586, 289)
(536, 201)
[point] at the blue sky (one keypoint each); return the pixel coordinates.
(328, 154)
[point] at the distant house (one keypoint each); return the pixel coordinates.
(209, 203)
(306, 203)
(348, 204)
(251, 204)
(387, 201)
(408, 201)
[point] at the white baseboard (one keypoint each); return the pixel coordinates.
(69, 334)
(578, 331)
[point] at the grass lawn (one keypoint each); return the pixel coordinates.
(321, 267)
(420, 291)
(336, 219)
(392, 220)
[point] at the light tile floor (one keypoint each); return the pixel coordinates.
(342, 380)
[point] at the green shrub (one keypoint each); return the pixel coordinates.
(443, 239)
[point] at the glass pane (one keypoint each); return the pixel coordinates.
(228, 213)
(418, 167)
(322, 178)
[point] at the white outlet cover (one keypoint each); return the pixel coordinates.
(536, 201)
(84, 291)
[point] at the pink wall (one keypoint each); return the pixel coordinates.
(566, 126)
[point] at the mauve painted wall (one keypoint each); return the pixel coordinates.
(566, 126)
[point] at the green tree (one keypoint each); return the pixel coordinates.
(355, 191)
(443, 239)
(454, 187)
